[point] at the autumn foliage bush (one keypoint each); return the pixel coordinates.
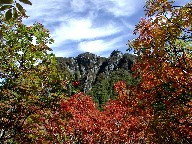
(35, 109)
(165, 91)
(128, 119)
(117, 123)
(78, 120)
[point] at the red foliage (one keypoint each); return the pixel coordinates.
(75, 83)
(117, 123)
(157, 110)
(128, 119)
(120, 86)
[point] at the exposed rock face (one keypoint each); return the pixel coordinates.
(88, 67)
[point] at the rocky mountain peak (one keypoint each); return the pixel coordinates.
(116, 53)
(87, 67)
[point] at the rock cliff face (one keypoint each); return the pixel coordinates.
(89, 68)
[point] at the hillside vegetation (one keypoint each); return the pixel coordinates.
(97, 75)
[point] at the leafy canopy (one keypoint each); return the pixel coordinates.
(29, 78)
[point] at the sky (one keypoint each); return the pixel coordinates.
(95, 26)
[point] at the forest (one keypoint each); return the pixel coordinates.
(149, 102)
(96, 76)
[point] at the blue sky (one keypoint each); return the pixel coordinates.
(96, 26)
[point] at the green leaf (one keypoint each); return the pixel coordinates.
(5, 7)
(15, 14)
(8, 14)
(6, 1)
(26, 2)
(20, 8)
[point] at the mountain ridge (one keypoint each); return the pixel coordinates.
(89, 68)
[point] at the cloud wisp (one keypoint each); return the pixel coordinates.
(81, 29)
(85, 23)
(99, 46)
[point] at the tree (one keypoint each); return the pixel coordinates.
(103, 90)
(29, 78)
(100, 92)
(117, 123)
(120, 75)
(13, 9)
(164, 48)
(158, 108)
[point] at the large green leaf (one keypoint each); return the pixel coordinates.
(4, 7)
(20, 8)
(8, 14)
(26, 2)
(6, 1)
(15, 14)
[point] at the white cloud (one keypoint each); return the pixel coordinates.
(123, 8)
(78, 5)
(83, 23)
(127, 24)
(94, 46)
(120, 7)
(63, 53)
(81, 29)
(45, 9)
(99, 46)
